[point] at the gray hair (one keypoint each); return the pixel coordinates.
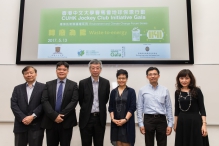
(95, 61)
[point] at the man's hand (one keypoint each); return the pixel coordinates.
(142, 130)
(168, 131)
(59, 118)
(27, 120)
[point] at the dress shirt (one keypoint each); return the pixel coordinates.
(95, 106)
(154, 100)
(29, 90)
(63, 85)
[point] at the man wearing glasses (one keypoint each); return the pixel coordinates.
(27, 109)
(93, 97)
(154, 105)
(59, 100)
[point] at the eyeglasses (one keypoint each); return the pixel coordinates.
(121, 78)
(154, 74)
(95, 68)
(62, 69)
(26, 73)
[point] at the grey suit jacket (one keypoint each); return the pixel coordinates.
(21, 108)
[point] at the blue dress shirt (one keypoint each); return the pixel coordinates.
(154, 100)
(95, 106)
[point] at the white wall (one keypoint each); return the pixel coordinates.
(206, 67)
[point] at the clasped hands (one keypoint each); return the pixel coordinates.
(119, 122)
(59, 118)
(27, 120)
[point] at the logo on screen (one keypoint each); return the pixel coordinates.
(147, 49)
(80, 53)
(57, 53)
(57, 50)
(116, 53)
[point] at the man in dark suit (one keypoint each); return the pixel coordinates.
(93, 97)
(27, 109)
(59, 100)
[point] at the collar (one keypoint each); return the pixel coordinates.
(58, 80)
(127, 87)
(92, 79)
(153, 86)
(32, 84)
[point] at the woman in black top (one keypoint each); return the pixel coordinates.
(190, 116)
(122, 106)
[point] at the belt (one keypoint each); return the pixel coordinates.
(155, 115)
(95, 114)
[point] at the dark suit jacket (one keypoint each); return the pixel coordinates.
(69, 102)
(21, 108)
(86, 100)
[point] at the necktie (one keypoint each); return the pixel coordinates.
(59, 97)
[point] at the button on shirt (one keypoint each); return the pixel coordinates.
(95, 106)
(29, 89)
(63, 86)
(154, 100)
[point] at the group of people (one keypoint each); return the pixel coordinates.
(51, 106)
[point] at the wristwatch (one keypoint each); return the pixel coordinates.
(34, 116)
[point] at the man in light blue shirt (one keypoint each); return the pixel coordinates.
(154, 105)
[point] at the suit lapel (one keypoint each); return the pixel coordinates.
(99, 88)
(34, 92)
(54, 85)
(67, 84)
(90, 85)
(24, 92)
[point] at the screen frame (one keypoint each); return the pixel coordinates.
(190, 45)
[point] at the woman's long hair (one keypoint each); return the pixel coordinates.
(192, 86)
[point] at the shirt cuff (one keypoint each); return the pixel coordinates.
(170, 124)
(141, 124)
(34, 116)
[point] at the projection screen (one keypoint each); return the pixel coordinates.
(116, 32)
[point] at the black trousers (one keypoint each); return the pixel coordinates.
(57, 134)
(33, 138)
(155, 124)
(93, 130)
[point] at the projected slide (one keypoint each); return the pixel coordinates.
(104, 33)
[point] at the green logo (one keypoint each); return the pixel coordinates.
(80, 52)
(115, 53)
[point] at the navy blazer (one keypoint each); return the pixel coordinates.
(130, 107)
(69, 102)
(21, 108)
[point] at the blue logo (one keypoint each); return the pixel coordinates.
(80, 52)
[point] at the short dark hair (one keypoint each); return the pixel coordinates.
(122, 72)
(95, 61)
(62, 63)
(27, 68)
(152, 68)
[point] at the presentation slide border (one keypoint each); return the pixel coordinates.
(190, 41)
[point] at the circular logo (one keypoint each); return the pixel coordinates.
(147, 48)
